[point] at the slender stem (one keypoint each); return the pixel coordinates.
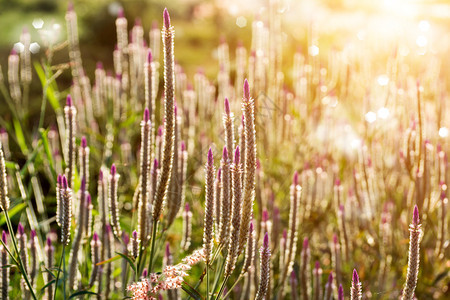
(232, 287)
(152, 247)
(207, 281)
(59, 271)
(21, 267)
(218, 275)
(224, 283)
(64, 270)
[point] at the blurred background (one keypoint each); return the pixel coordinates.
(417, 27)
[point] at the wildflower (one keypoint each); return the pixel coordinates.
(265, 269)
(209, 206)
(356, 289)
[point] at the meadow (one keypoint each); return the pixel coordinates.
(272, 173)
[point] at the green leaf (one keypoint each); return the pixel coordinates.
(12, 212)
(8, 266)
(191, 291)
(80, 293)
(108, 260)
(128, 259)
(50, 91)
(47, 285)
(20, 136)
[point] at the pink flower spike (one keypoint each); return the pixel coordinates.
(33, 234)
(49, 242)
(416, 215)
(95, 237)
(225, 153)
(146, 115)
(65, 185)
(186, 207)
(266, 241)
(100, 175)
(83, 142)
(305, 243)
(120, 13)
(69, 101)
(227, 106)
(295, 181)
(4, 237)
(155, 164)
(237, 155)
(246, 90)
(149, 56)
(341, 292)
(166, 18)
(210, 157)
(355, 277)
(99, 65)
(113, 170)
(134, 234)
(183, 146)
(20, 229)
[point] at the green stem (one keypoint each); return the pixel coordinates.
(232, 287)
(207, 281)
(224, 283)
(218, 275)
(21, 266)
(64, 271)
(59, 271)
(152, 247)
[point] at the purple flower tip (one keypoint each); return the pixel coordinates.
(59, 179)
(284, 233)
(265, 215)
(335, 238)
(225, 153)
(330, 278)
(33, 234)
(70, 6)
(246, 90)
(227, 106)
(295, 181)
(305, 243)
(183, 146)
(175, 110)
(49, 242)
(266, 241)
(416, 215)
(13, 51)
(155, 164)
(293, 276)
(100, 175)
(99, 65)
(166, 18)
(113, 170)
(317, 265)
(145, 273)
(83, 142)
(134, 234)
(108, 228)
(337, 182)
(69, 100)
(160, 130)
(137, 22)
(20, 228)
(237, 155)
(251, 226)
(219, 174)
(355, 277)
(341, 208)
(149, 56)
(167, 249)
(341, 292)
(95, 236)
(146, 115)
(120, 13)
(210, 157)
(65, 185)
(186, 207)
(88, 200)
(4, 237)
(83, 184)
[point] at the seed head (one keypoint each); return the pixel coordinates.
(416, 215)
(246, 90)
